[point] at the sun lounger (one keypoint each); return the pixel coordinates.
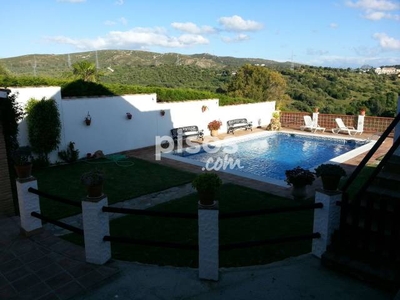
(350, 130)
(309, 124)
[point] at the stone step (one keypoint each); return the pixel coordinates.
(380, 274)
(392, 166)
(380, 191)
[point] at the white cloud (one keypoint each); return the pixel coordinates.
(192, 28)
(333, 25)
(119, 2)
(374, 4)
(236, 23)
(387, 42)
(376, 10)
(121, 20)
(236, 39)
(139, 38)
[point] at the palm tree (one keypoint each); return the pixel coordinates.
(86, 71)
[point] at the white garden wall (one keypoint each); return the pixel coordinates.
(111, 131)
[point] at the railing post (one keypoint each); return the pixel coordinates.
(208, 242)
(95, 227)
(28, 203)
(397, 129)
(326, 219)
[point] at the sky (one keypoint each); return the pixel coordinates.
(327, 33)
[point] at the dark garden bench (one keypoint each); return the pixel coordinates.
(185, 132)
(237, 124)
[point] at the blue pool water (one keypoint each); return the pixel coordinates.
(269, 156)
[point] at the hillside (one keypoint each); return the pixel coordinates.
(332, 90)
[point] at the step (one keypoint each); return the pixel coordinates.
(384, 191)
(382, 275)
(387, 180)
(392, 166)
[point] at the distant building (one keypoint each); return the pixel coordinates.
(387, 71)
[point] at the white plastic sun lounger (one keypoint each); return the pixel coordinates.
(341, 127)
(309, 124)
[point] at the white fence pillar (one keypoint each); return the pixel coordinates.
(28, 203)
(326, 219)
(208, 242)
(315, 118)
(95, 227)
(360, 123)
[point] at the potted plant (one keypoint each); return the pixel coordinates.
(299, 178)
(214, 126)
(207, 185)
(330, 175)
(22, 159)
(88, 119)
(93, 180)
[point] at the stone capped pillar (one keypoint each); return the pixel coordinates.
(315, 118)
(360, 123)
(208, 242)
(326, 219)
(95, 227)
(28, 203)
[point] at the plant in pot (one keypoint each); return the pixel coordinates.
(299, 178)
(207, 185)
(93, 180)
(214, 126)
(88, 119)
(22, 159)
(330, 175)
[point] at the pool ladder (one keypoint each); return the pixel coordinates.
(377, 134)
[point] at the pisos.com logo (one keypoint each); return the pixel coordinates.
(165, 144)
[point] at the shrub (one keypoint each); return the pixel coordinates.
(299, 177)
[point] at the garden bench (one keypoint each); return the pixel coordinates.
(237, 124)
(187, 131)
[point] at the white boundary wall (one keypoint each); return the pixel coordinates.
(111, 131)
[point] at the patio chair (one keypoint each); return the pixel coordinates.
(309, 124)
(341, 127)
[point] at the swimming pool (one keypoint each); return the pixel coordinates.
(266, 156)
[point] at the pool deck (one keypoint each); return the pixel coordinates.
(349, 165)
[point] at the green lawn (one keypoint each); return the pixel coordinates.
(231, 198)
(134, 177)
(125, 179)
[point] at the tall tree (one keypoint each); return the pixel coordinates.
(258, 83)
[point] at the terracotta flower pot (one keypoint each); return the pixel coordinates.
(299, 192)
(23, 171)
(330, 182)
(206, 197)
(94, 191)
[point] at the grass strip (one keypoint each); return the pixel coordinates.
(125, 179)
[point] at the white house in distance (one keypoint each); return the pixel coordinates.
(387, 71)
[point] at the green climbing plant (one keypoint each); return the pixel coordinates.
(44, 128)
